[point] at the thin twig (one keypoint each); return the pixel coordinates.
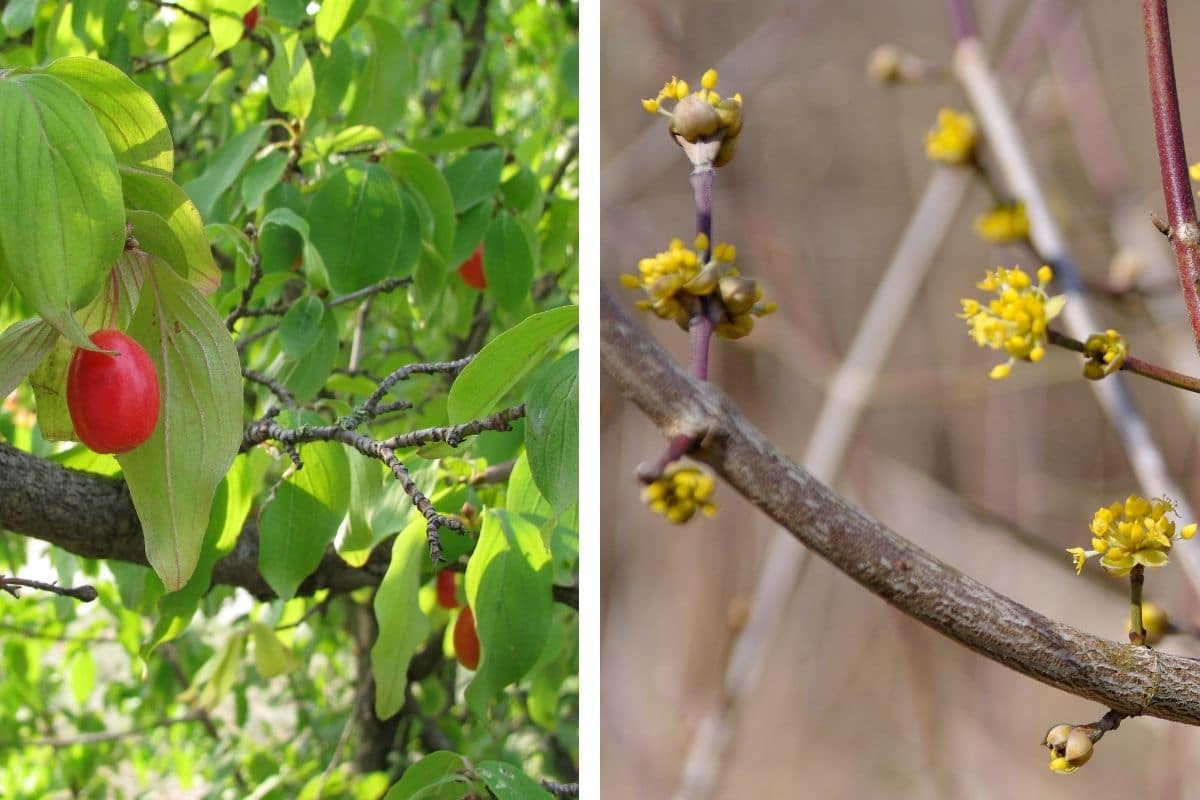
(84, 593)
(101, 736)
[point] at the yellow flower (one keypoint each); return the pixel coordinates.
(701, 117)
(952, 140)
(1106, 353)
(680, 493)
(1003, 224)
(1130, 533)
(675, 280)
(1016, 321)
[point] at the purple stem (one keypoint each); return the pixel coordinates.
(702, 181)
(962, 19)
(700, 329)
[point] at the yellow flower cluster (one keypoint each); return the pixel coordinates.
(952, 140)
(1130, 533)
(1003, 224)
(680, 493)
(1105, 352)
(1070, 746)
(701, 116)
(1016, 321)
(675, 280)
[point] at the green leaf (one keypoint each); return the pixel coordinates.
(469, 232)
(302, 517)
(510, 783)
(462, 139)
(552, 430)
(82, 672)
(523, 192)
(504, 361)
(136, 130)
(261, 176)
(300, 327)
(366, 490)
(336, 16)
(18, 16)
(290, 76)
(22, 347)
(354, 218)
(474, 177)
(154, 236)
(305, 377)
(402, 625)
(508, 261)
(382, 91)
(429, 283)
(286, 218)
(271, 656)
(149, 191)
(419, 175)
(223, 168)
(173, 476)
(509, 588)
(522, 495)
(58, 243)
(225, 23)
(356, 137)
(441, 770)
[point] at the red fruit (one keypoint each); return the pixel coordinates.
(472, 270)
(466, 641)
(447, 596)
(250, 20)
(113, 399)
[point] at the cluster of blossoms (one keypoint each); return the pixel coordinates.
(680, 493)
(1105, 352)
(952, 140)
(675, 281)
(1131, 533)
(1004, 224)
(701, 116)
(1071, 747)
(1016, 321)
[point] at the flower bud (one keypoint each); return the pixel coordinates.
(739, 294)
(695, 119)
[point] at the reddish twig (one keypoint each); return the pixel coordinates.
(1172, 159)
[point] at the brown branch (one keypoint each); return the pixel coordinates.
(1131, 680)
(13, 585)
(1172, 159)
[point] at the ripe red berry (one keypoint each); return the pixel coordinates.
(250, 20)
(466, 641)
(113, 399)
(471, 270)
(447, 596)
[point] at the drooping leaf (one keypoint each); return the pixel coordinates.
(336, 16)
(402, 624)
(504, 361)
(290, 76)
(271, 656)
(508, 587)
(552, 430)
(136, 130)
(305, 377)
(261, 176)
(508, 260)
(300, 327)
(441, 775)
(225, 23)
(148, 191)
(354, 218)
(223, 168)
(474, 176)
(382, 91)
(419, 175)
(58, 242)
(173, 476)
(23, 346)
(366, 490)
(302, 517)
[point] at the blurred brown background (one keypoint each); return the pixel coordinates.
(855, 699)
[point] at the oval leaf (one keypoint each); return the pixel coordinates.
(552, 431)
(508, 261)
(402, 625)
(22, 347)
(508, 587)
(354, 218)
(173, 476)
(58, 243)
(505, 360)
(302, 517)
(300, 327)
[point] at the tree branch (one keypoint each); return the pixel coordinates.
(1131, 680)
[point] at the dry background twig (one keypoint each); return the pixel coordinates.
(857, 700)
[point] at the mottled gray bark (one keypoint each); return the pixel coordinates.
(1132, 680)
